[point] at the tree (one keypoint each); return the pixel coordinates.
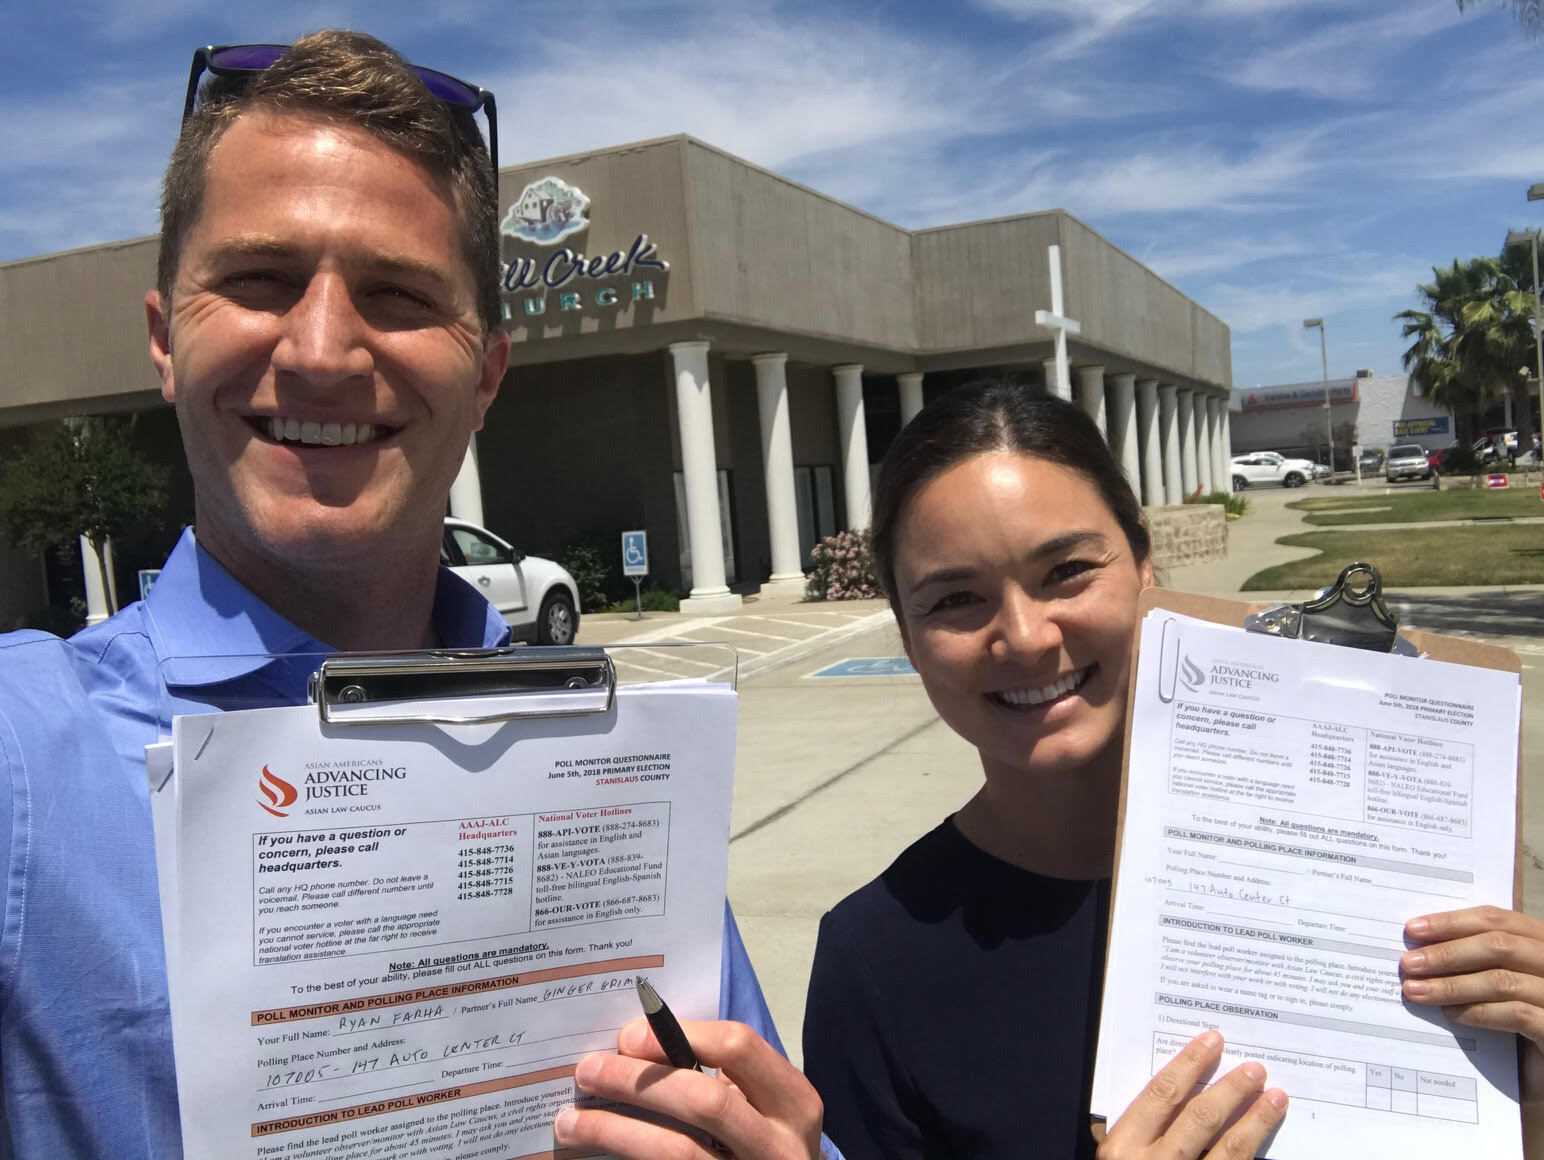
(84, 479)
(1529, 14)
(1469, 341)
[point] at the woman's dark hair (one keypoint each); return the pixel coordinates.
(993, 415)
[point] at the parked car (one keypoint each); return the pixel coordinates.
(1370, 462)
(538, 597)
(1259, 467)
(1498, 443)
(1406, 461)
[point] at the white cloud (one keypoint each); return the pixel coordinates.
(1338, 59)
(1218, 254)
(1354, 285)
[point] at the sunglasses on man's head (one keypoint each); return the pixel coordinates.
(227, 60)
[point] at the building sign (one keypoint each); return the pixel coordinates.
(1297, 395)
(567, 279)
(547, 210)
(1417, 428)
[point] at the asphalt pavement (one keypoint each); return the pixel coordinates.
(835, 775)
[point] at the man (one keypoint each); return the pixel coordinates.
(326, 323)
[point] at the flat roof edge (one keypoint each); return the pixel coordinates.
(120, 244)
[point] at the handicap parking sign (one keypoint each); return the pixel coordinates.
(635, 553)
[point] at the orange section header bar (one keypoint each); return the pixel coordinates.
(452, 990)
(408, 1103)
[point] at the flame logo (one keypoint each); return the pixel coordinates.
(278, 791)
(1190, 672)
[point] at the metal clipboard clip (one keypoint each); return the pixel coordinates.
(463, 686)
(1350, 612)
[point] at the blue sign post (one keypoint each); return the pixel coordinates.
(635, 562)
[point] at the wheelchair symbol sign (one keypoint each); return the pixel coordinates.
(635, 553)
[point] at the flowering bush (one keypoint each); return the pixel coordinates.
(842, 569)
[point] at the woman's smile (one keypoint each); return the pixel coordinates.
(1018, 699)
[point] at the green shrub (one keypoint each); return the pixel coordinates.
(1235, 503)
(595, 562)
(654, 600)
(842, 568)
(1460, 460)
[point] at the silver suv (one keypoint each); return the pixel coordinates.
(1406, 461)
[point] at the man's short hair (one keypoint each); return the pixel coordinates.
(356, 80)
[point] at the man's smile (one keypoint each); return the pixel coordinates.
(280, 429)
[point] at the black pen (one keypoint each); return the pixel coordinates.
(672, 1040)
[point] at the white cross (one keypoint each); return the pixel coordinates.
(1054, 319)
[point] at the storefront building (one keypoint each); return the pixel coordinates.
(705, 350)
(1370, 411)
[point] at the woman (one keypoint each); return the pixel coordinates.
(954, 1001)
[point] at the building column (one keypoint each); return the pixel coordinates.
(1091, 394)
(1149, 441)
(853, 437)
(1122, 401)
(1048, 366)
(1203, 442)
(1227, 443)
(910, 386)
(96, 595)
(1222, 472)
(694, 412)
(777, 462)
(466, 491)
(1187, 441)
(1168, 423)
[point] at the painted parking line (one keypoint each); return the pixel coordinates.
(756, 633)
(790, 623)
(868, 667)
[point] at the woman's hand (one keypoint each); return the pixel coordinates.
(760, 1108)
(1483, 966)
(1171, 1121)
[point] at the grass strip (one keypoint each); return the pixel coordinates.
(1415, 559)
(1420, 506)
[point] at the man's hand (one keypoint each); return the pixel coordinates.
(760, 1108)
(1170, 1120)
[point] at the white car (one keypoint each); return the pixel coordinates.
(1272, 467)
(538, 597)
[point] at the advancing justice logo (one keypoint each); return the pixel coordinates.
(1224, 674)
(1191, 674)
(280, 793)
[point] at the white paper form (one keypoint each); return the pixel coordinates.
(1289, 806)
(398, 940)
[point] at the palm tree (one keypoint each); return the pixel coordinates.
(1471, 338)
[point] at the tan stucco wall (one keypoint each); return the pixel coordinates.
(72, 330)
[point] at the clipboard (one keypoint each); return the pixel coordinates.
(448, 718)
(1348, 613)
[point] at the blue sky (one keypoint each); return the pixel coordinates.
(1274, 159)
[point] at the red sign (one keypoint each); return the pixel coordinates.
(1495, 481)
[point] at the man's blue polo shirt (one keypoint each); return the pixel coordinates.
(85, 1034)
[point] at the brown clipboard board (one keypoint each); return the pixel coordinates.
(1232, 612)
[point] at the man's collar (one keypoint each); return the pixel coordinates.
(207, 628)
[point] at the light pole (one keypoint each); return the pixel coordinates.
(1324, 355)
